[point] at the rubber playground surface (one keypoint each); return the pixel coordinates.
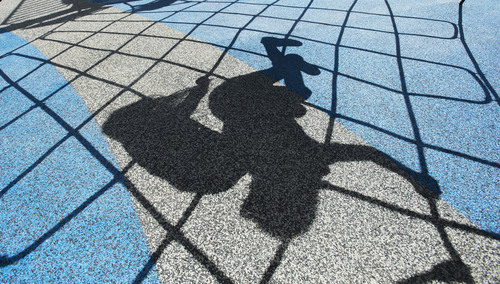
(283, 141)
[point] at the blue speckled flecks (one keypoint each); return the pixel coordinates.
(64, 216)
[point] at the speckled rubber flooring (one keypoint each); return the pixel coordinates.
(285, 141)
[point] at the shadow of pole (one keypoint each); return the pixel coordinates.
(473, 59)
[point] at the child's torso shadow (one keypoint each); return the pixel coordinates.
(286, 165)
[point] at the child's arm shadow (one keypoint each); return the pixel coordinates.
(425, 185)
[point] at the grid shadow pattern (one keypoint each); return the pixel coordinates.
(107, 44)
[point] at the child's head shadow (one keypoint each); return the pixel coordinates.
(288, 67)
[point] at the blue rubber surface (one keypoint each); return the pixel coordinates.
(65, 215)
(415, 79)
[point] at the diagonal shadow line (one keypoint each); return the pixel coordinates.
(175, 232)
(465, 274)
(404, 88)
(240, 30)
(296, 22)
(471, 56)
(333, 106)
(167, 240)
(5, 261)
(72, 132)
(155, 256)
(275, 262)
(85, 72)
(13, 120)
(34, 165)
(412, 214)
(147, 8)
(406, 139)
(386, 54)
(17, 47)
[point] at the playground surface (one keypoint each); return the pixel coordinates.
(163, 141)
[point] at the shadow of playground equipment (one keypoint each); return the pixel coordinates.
(33, 14)
(23, 15)
(260, 137)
